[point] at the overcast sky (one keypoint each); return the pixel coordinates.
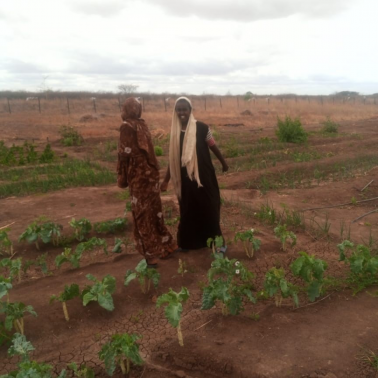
(196, 47)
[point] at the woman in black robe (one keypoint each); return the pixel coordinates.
(193, 177)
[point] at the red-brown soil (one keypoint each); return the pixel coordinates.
(321, 339)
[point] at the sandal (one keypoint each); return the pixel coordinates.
(179, 249)
(222, 250)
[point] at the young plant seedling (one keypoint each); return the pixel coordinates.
(173, 309)
(5, 286)
(82, 371)
(120, 348)
(82, 228)
(40, 262)
(69, 256)
(110, 226)
(70, 292)
(45, 232)
(215, 243)
(118, 244)
(91, 244)
(100, 292)
(276, 285)
(250, 243)
(230, 282)
(14, 315)
(311, 270)
(283, 234)
(6, 246)
(13, 267)
(182, 268)
(145, 276)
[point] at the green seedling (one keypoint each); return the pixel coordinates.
(311, 270)
(173, 308)
(250, 243)
(13, 267)
(91, 244)
(82, 228)
(172, 222)
(283, 234)
(45, 232)
(145, 276)
(69, 256)
(6, 246)
(70, 292)
(118, 244)
(100, 292)
(182, 268)
(14, 315)
(5, 286)
(230, 282)
(363, 266)
(276, 285)
(121, 348)
(82, 371)
(111, 226)
(215, 243)
(40, 262)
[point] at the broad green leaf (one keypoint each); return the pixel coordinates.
(88, 297)
(106, 301)
(313, 290)
(130, 275)
(173, 313)
(208, 301)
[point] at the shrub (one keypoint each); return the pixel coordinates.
(158, 151)
(290, 131)
(70, 136)
(330, 126)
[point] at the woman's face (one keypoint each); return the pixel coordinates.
(183, 112)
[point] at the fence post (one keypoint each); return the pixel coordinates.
(94, 105)
(10, 112)
(119, 104)
(68, 106)
(220, 101)
(39, 104)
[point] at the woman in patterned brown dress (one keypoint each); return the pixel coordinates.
(138, 169)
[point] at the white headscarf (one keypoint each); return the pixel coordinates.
(189, 151)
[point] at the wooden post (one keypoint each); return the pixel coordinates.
(165, 104)
(94, 105)
(10, 112)
(119, 104)
(68, 106)
(39, 104)
(220, 101)
(205, 103)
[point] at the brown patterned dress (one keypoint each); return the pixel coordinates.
(138, 169)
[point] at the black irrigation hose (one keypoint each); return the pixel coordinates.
(342, 204)
(364, 215)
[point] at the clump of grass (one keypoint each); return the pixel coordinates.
(70, 136)
(330, 126)
(158, 151)
(290, 130)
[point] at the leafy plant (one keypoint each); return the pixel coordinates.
(82, 228)
(40, 261)
(120, 348)
(145, 276)
(174, 308)
(283, 234)
(82, 371)
(158, 151)
(311, 270)
(118, 244)
(13, 267)
(6, 245)
(229, 282)
(250, 244)
(111, 226)
(20, 347)
(290, 130)
(47, 155)
(14, 315)
(70, 136)
(5, 286)
(276, 285)
(330, 126)
(91, 244)
(70, 292)
(100, 292)
(215, 243)
(363, 266)
(46, 232)
(69, 256)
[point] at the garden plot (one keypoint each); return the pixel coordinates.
(315, 312)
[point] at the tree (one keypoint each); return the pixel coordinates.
(127, 88)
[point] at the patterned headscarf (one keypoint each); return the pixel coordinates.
(189, 149)
(131, 112)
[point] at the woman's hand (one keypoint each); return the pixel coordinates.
(163, 186)
(224, 167)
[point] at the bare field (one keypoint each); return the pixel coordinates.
(315, 188)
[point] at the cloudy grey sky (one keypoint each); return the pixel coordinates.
(196, 46)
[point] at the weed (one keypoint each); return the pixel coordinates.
(158, 151)
(250, 243)
(330, 126)
(70, 136)
(290, 131)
